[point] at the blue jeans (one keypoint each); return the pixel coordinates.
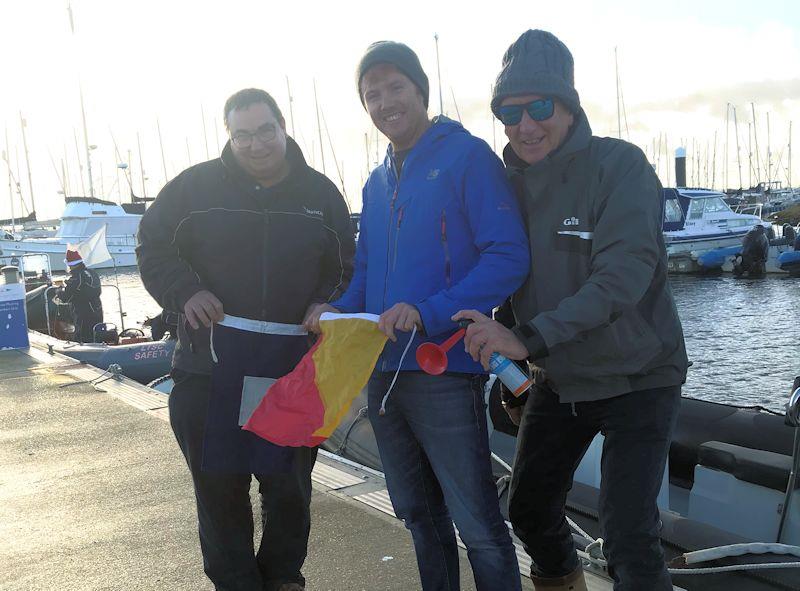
(435, 453)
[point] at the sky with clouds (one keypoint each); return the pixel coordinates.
(174, 62)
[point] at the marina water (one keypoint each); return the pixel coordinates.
(742, 335)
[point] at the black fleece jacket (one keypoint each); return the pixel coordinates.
(266, 253)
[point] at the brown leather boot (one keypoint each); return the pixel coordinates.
(574, 581)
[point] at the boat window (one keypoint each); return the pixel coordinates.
(696, 209)
(672, 211)
(737, 223)
(99, 212)
(715, 205)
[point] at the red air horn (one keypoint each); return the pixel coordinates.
(432, 358)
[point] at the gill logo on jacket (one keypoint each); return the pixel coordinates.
(573, 221)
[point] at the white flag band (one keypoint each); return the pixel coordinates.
(93, 250)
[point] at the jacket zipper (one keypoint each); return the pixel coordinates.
(389, 254)
(397, 237)
(446, 249)
(264, 274)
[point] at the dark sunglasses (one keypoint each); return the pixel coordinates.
(538, 110)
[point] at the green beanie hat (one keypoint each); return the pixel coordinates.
(399, 55)
(537, 63)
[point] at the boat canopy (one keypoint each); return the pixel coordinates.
(676, 206)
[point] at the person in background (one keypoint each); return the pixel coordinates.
(595, 319)
(82, 292)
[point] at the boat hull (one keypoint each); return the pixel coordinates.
(123, 255)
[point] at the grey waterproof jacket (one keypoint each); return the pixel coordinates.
(598, 293)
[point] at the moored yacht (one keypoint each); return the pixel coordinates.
(699, 220)
(82, 217)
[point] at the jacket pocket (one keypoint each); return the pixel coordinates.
(574, 241)
(622, 348)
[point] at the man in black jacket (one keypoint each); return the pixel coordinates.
(259, 237)
(82, 292)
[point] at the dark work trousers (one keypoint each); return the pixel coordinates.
(552, 440)
(224, 512)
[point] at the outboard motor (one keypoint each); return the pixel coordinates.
(789, 233)
(165, 324)
(106, 332)
(755, 250)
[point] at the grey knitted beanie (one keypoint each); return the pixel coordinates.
(537, 63)
(399, 55)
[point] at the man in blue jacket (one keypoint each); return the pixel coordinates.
(439, 228)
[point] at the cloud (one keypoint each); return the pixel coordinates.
(766, 94)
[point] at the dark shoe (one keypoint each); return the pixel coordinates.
(571, 582)
(291, 587)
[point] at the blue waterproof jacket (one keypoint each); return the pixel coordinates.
(446, 235)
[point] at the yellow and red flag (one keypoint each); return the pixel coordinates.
(304, 407)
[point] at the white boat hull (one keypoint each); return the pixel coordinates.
(123, 254)
(697, 247)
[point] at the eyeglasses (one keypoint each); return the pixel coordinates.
(265, 134)
(538, 110)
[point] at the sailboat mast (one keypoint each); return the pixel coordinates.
(749, 155)
(439, 73)
(205, 133)
(366, 151)
(27, 160)
(769, 154)
(319, 128)
(755, 138)
(291, 107)
(455, 104)
(86, 142)
(725, 179)
(141, 164)
(619, 119)
(163, 158)
(714, 163)
(80, 162)
(738, 153)
(11, 189)
(789, 178)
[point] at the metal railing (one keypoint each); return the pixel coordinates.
(47, 305)
(748, 208)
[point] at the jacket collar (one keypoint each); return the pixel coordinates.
(441, 126)
(578, 139)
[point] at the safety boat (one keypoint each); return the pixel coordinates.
(130, 351)
(729, 498)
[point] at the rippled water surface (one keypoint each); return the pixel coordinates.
(742, 335)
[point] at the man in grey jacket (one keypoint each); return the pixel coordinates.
(596, 320)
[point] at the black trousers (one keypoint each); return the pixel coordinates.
(224, 511)
(553, 438)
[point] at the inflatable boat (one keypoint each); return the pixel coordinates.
(726, 484)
